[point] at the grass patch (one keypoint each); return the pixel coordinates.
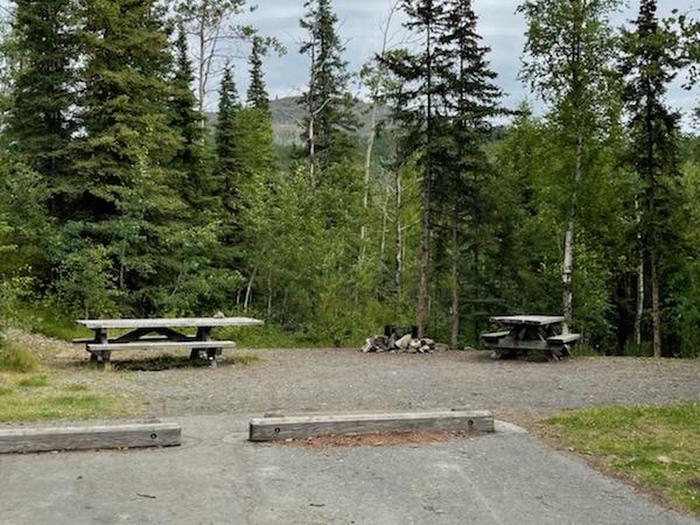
(14, 358)
(248, 359)
(56, 407)
(34, 382)
(75, 388)
(4, 391)
(656, 447)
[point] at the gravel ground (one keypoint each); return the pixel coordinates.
(331, 379)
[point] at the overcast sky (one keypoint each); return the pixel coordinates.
(360, 23)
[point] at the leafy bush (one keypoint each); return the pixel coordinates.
(85, 286)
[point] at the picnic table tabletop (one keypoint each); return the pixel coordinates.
(529, 320)
(198, 322)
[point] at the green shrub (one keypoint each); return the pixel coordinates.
(16, 359)
(47, 318)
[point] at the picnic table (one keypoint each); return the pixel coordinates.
(527, 333)
(159, 334)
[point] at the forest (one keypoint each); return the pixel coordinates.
(419, 198)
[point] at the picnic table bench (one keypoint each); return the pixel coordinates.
(159, 334)
(525, 333)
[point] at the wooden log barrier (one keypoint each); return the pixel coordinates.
(317, 425)
(26, 440)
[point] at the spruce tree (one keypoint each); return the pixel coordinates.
(257, 91)
(327, 101)
(469, 99)
(122, 198)
(415, 107)
(228, 169)
(256, 152)
(191, 159)
(650, 64)
(39, 122)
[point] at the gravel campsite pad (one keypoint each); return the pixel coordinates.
(258, 381)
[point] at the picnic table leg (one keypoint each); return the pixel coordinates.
(204, 334)
(103, 358)
(107, 360)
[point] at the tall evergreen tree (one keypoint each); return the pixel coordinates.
(228, 159)
(469, 98)
(191, 160)
(258, 97)
(121, 197)
(650, 63)
(39, 122)
(327, 100)
(256, 152)
(415, 102)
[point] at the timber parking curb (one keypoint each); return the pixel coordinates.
(125, 436)
(317, 425)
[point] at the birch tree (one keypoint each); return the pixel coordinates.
(566, 61)
(374, 75)
(211, 24)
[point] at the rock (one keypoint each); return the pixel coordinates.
(404, 342)
(664, 460)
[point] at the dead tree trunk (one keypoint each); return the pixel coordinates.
(398, 275)
(371, 139)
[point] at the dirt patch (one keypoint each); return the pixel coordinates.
(694, 484)
(382, 439)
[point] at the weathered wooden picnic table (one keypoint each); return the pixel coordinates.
(528, 333)
(159, 334)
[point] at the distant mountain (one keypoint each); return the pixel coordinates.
(288, 114)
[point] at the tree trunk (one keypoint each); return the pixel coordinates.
(423, 292)
(567, 275)
(312, 152)
(368, 173)
(639, 314)
(455, 278)
(422, 315)
(373, 130)
(269, 295)
(201, 81)
(398, 276)
(570, 244)
(385, 221)
(655, 302)
(249, 290)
